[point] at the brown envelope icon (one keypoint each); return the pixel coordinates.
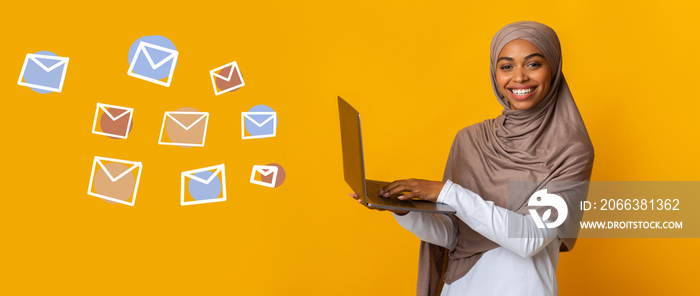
(226, 78)
(115, 122)
(271, 175)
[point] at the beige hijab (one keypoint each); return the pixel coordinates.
(548, 142)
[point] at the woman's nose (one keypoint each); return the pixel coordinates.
(519, 75)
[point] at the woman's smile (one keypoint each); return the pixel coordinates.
(522, 92)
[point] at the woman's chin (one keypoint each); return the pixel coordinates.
(522, 104)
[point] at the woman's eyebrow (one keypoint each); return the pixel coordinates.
(505, 58)
(527, 57)
(534, 55)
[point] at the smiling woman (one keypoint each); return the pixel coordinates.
(540, 137)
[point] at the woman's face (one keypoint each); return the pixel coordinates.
(523, 74)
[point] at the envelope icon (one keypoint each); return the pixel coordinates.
(112, 121)
(258, 125)
(226, 78)
(184, 128)
(265, 175)
(153, 63)
(205, 185)
(115, 180)
(43, 72)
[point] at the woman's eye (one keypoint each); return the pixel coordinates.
(505, 67)
(533, 64)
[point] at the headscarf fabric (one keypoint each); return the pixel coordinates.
(545, 143)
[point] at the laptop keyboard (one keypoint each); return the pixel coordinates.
(372, 189)
(391, 202)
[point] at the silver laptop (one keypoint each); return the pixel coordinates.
(354, 169)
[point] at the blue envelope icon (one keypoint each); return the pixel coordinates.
(259, 122)
(43, 72)
(205, 185)
(153, 58)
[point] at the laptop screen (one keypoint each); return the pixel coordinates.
(351, 138)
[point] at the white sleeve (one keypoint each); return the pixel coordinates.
(436, 229)
(492, 221)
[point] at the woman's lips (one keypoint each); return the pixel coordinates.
(522, 93)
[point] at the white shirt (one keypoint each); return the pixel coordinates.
(522, 264)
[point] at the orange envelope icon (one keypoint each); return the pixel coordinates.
(115, 180)
(184, 128)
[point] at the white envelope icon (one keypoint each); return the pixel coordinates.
(126, 127)
(48, 75)
(142, 53)
(264, 170)
(188, 136)
(190, 196)
(264, 126)
(226, 84)
(110, 187)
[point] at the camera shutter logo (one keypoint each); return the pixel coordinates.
(541, 198)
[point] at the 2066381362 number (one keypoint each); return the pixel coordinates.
(639, 204)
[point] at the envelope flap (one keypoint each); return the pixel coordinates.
(110, 175)
(191, 175)
(186, 119)
(157, 55)
(114, 113)
(265, 170)
(226, 73)
(46, 62)
(260, 118)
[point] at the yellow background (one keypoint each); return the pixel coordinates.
(416, 70)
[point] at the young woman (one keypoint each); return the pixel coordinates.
(540, 137)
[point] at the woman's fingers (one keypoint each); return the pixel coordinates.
(394, 188)
(354, 195)
(408, 195)
(416, 188)
(386, 188)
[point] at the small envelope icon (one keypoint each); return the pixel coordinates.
(267, 175)
(114, 121)
(226, 78)
(114, 180)
(184, 128)
(44, 72)
(144, 66)
(205, 185)
(258, 125)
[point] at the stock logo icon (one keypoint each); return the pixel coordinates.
(543, 199)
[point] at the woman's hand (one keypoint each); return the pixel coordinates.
(417, 188)
(397, 212)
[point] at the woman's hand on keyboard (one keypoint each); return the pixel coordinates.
(416, 188)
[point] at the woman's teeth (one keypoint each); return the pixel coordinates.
(521, 92)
